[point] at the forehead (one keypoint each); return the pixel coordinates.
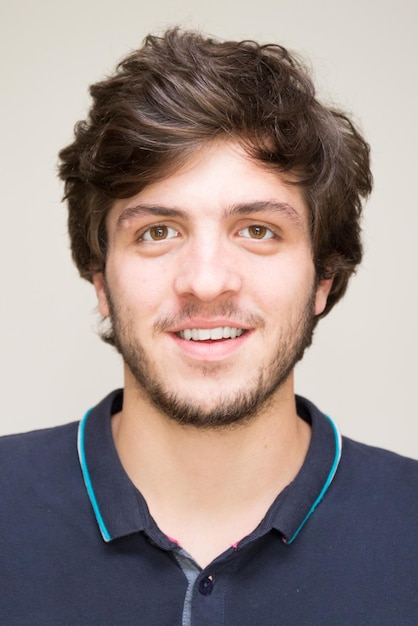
(218, 180)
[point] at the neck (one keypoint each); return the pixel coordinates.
(195, 478)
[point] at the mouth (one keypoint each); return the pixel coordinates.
(211, 334)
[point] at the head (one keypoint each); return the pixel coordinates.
(182, 90)
(197, 126)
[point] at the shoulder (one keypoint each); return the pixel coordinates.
(41, 489)
(39, 457)
(378, 465)
(373, 485)
(37, 441)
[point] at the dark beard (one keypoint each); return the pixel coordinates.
(234, 410)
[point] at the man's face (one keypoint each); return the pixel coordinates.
(210, 286)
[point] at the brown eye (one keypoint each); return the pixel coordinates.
(159, 233)
(256, 231)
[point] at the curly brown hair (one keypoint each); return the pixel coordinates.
(181, 90)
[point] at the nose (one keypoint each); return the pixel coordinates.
(208, 271)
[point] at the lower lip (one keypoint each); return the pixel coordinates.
(210, 351)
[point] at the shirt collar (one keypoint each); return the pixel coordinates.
(118, 506)
(296, 503)
(121, 510)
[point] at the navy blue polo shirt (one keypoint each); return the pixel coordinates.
(78, 545)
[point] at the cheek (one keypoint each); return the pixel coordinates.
(140, 288)
(286, 284)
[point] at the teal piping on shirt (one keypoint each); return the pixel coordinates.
(87, 481)
(102, 526)
(327, 482)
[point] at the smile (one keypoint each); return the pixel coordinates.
(213, 334)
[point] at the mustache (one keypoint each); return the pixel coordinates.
(192, 309)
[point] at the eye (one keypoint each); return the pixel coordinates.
(257, 231)
(160, 232)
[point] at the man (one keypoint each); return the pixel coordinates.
(214, 203)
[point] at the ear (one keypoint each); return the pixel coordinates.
(321, 296)
(99, 285)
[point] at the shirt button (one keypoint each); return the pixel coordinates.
(206, 586)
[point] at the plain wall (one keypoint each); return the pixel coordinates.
(362, 367)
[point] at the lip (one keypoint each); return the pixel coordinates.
(210, 351)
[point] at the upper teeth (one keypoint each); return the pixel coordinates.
(203, 334)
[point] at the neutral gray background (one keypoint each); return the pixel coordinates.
(362, 368)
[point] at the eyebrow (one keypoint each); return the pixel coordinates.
(143, 210)
(269, 206)
(247, 208)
